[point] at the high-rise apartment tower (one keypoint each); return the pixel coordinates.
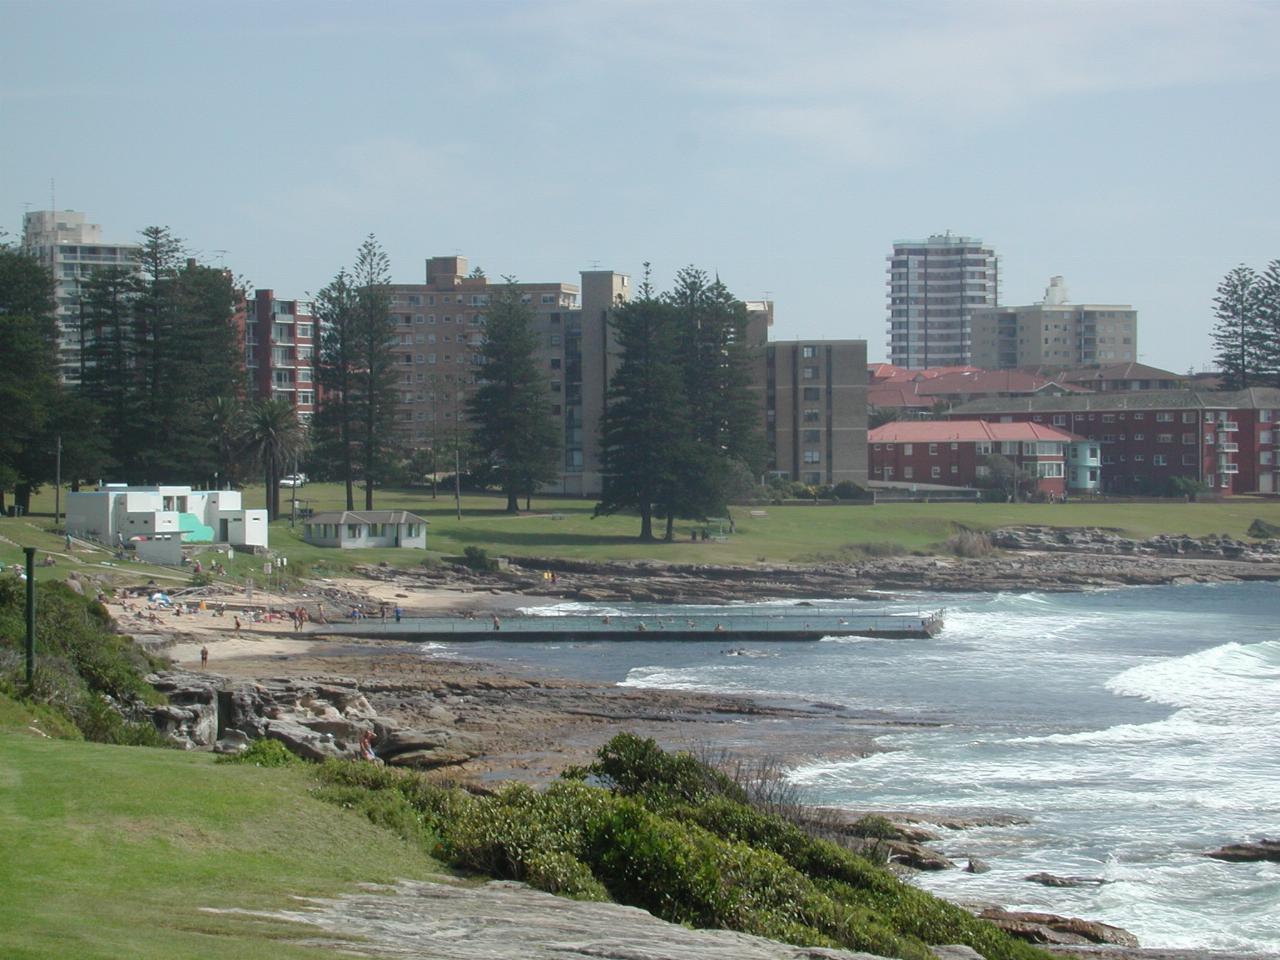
(934, 287)
(71, 250)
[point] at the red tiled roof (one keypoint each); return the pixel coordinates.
(964, 431)
(985, 381)
(889, 395)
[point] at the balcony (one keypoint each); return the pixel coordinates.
(1228, 447)
(1228, 468)
(1229, 427)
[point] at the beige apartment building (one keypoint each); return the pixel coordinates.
(1054, 332)
(439, 334)
(812, 394)
(816, 410)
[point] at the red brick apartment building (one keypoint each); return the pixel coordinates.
(281, 341)
(1226, 440)
(952, 453)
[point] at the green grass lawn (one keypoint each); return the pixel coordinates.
(565, 528)
(112, 852)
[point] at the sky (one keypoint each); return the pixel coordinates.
(1129, 146)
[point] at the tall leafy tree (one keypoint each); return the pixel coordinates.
(29, 385)
(273, 439)
(335, 423)
(110, 354)
(645, 435)
(723, 409)
(375, 375)
(510, 411)
(1239, 338)
(1269, 321)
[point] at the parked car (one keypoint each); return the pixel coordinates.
(294, 480)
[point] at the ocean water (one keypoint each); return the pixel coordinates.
(1133, 728)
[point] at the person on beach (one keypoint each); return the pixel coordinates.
(204, 658)
(497, 624)
(237, 619)
(399, 614)
(366, 747)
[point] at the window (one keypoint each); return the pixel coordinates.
(1108, 418)
(935, 472)
(1189, 417)
(809, 373)
(933, 449)
(813, 436)
(1159, 459)
(1189, 438)
(814, 416)
(555, 363)
(1139, 416)
(908, 473)
(812, 394)
(304, 329)
(1139, 436)
(982, 470)
(955, 446)
(353, 530)
(908, 449)
(983, 447)
(1051, 469)
(954, 469)
(1059, 419)
(808, 353)
(1164, 438)
(1164, 418)
(1138, 458)
(1188, 459)
(813, 456)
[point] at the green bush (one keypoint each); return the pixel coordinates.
(83, 670)
(477, 558)
(263, 752)
(671, 835)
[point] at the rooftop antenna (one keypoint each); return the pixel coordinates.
(595, 264)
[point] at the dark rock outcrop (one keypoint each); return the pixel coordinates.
(1049, 880)
(1250, 852)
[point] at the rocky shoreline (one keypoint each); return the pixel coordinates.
(1029, 558)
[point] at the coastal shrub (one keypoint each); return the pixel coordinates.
(969, 543)
(478, 559)
(1261, 530)
(263, 752)
(563, 874)
(672, 836)
(634, 765)
(875, 827)
(84, 672)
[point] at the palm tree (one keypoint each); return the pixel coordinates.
(273, 437)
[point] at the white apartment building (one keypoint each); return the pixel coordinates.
(935, 285)
(71, 249)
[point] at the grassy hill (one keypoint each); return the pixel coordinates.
(116, 851)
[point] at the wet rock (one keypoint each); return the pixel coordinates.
(1251, 852)
(955, 951)
(1049, 880)
(1049, 928)
(916, 856)
(977, 866)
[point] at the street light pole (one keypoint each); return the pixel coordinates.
(57, 484)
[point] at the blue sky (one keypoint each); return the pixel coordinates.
(1130, 147)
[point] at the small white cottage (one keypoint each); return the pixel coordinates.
(366, 528)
